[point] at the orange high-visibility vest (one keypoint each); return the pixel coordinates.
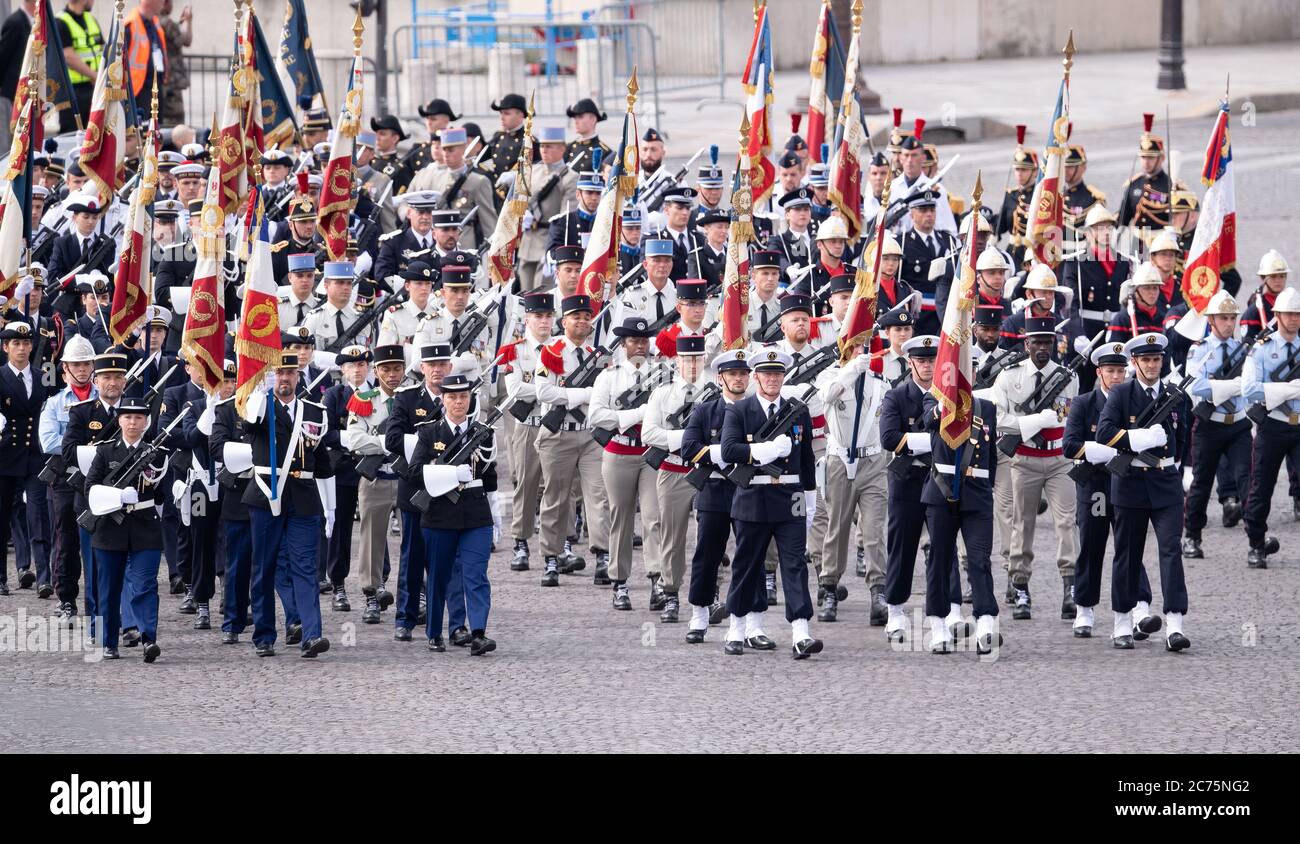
(139, 50)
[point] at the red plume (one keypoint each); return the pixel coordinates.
(794, 122)
(920, 127)
(1020, 134)
(303, 185)
(1147, 120)
(898, 117)
(1069, 130)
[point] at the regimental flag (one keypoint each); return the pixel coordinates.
(827, 79)
(509, 231)
(278, 123)
(32, 70)
(954, 372)
(336, 186)
(58, 94)
(257, 338)
(15, 201)
(297, 60)
(204, 340)
(103, 150)
(130, 298)
(1046, 207)
(230, 154)
(600, 261)
(846, 170)
(860, 317)
(734, 319)
(1214, 245)
(758, 85)
(251, 127)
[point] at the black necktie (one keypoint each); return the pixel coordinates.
(1151, 391)
(763, 310)
(301, 306)
(929, 241)
(85, 250)
(659, 305)
(338, 323)
(858, 390)
(455, 333)
(771, 412)
(796, 357)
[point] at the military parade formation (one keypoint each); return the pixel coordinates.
(716, 392)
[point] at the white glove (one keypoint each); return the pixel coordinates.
(1276, 394)
(576, 396)
(329, 523)
(628, 418)
(494, 506)
(130, 496)
(809, 505)
(464, 473)
(1018, 305)
(529, 220)
(324, 360)
(1082, 344)
(715, 454)
(1097, 452)
(1035, 422)
(3, 422)
(1142, 439)
(763, 453)
(783, 445)
(408, 445)
(918, 442)
(206, 419)
(674, 439)
(1221, 391)
(255, 407)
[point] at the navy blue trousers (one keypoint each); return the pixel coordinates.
(1130, 537)
(1274, 442)
(942, 578)
(128, 578)
(287, 543)
(452, 555)
(902, 540)
(1215, 447)
(239, 574)
(1094, 537)
(410, 577)
(711, 533)
(747, 593)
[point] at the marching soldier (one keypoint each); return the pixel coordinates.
(228, 450)
(855, 478)
(277, 187)
(296, 235)
(78, 363)
(679, 229)
(22, 393)
(416, 242)
(764, 304)
(897, 324)
(316, 125)
(1093, 508)
(1268, 382)
(335, 563)
(461, 189)
(437, 115)
(1040, 301)
(713, 252)
(1098, 273)
(1221, 429)
(628, 480)
(1273, 272)
(922, 246)
(388, 134)
(891, 289)
(521, 360)
(369, 411)
(832, 255)
(1039, 469)
(451, 320)
(82, 243)
(1013, 219)
(285, 519)
(1146, 496)
(127, 554)
(178, 545)
(507, 143)
(567, 260)
(567, 229)
(958, 497)
(1146, 195)
(300, 299)
(570, 450)
(693, 307)
(709, 185)
(553, 182)
(674, 494)
(796, 243)
(1166, 253)
(585, 114)
(1144, 308)
(402, 322)
(1079, 196)
(655, 295)
(336, 316)
(770, 508)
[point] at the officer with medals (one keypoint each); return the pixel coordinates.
(923, 245)
(416, 242)
(284, 504)
(22, 393)
(1013, 219)
(1147, 495)
(438, 115)
(585, 114)
(770, 508)
(457, 532)
(1145, 203)
(402, 322)
(127, 554)
(336, 316)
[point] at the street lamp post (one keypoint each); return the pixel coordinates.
(1171, 47)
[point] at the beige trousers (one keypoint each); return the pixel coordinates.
(1032, 480)
(374, 500)
(629, 480)
(527, 471)
(567, 456)
(676, 507)
(865, 497)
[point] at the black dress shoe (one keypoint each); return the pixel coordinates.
(44, 591)
(1150, 624)
(264, 650)
(984, 644)
(111, 653)
(203, 621)
(842, 592)
(325, 586)
(177, 585)
(26, 578)
(230, 637)
(481, 646)
(315, 647)
(551, 576)
(460, 637)
(694, 637)
(731, 648)
(1084, 632)
(293, 635)
(601, 577)
(130, 638)
(1232, 512)
(879, 609)
(830, 608)
(152, 652)
(402, 634)
(437, 645)
(1123, 643)
(717, 612)
(1177, 642)
(760, 643)
(188, 605)
(1192, 548)
(806, 648)
(1256, 559)
(386, 599)
(1042, 506)
(622, 601)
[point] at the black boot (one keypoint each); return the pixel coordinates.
(370, 615)
(520, 562)
(622, 601)
(657, 597)
(1192, 548)
(341, 603)
(1232, 512)
(602, 568)
(551, 577)
(879, 609)
(1068, 609)
(188, 606)
(569, 561)
(671, 608)
(203, 619)
(830, 604)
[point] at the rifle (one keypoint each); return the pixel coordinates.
(901, 464)
(43, 241)
(583, 376)
(655, 199)
(1155, 414)
(97, 254)
(1229, 369)
(742, 474)
(363, 322)
(1083, 472)
(655, 456)
(550, 185)
(1047, 393)
(128, 472)
(633, 397)
(807, 370)
(470, 442)
(995, 363)
(472, 327)
(770, 331)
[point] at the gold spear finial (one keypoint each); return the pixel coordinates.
(857, 15)
(357, 28)
(632, 89)
(977, 192)
(1068, 61)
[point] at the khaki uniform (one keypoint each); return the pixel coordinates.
(324, 323)
(532, 247)
(375, 499)
(524, 459)
(474, 192)
(289, 310)
(855, 481)
(642, 298)
(1039, 470)
(675, 495)
(628, 480)
(568, 454)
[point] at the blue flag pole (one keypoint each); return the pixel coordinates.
(270, 421)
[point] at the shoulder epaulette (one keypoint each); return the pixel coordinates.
(276, 247)
(389, 235)
(1100, 196)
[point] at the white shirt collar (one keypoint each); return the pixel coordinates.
(27, 370)
(766, 404)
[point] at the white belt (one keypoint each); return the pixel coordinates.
(1098, 316)
(971, 471)
(624, 439)
(768, 479)
(474, 484)
(1164, 463)
(856, 453)
(139, 505)
(1230, 418)
(304, 476)
(1288, 418)
(533, 422)
(1051, 444)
